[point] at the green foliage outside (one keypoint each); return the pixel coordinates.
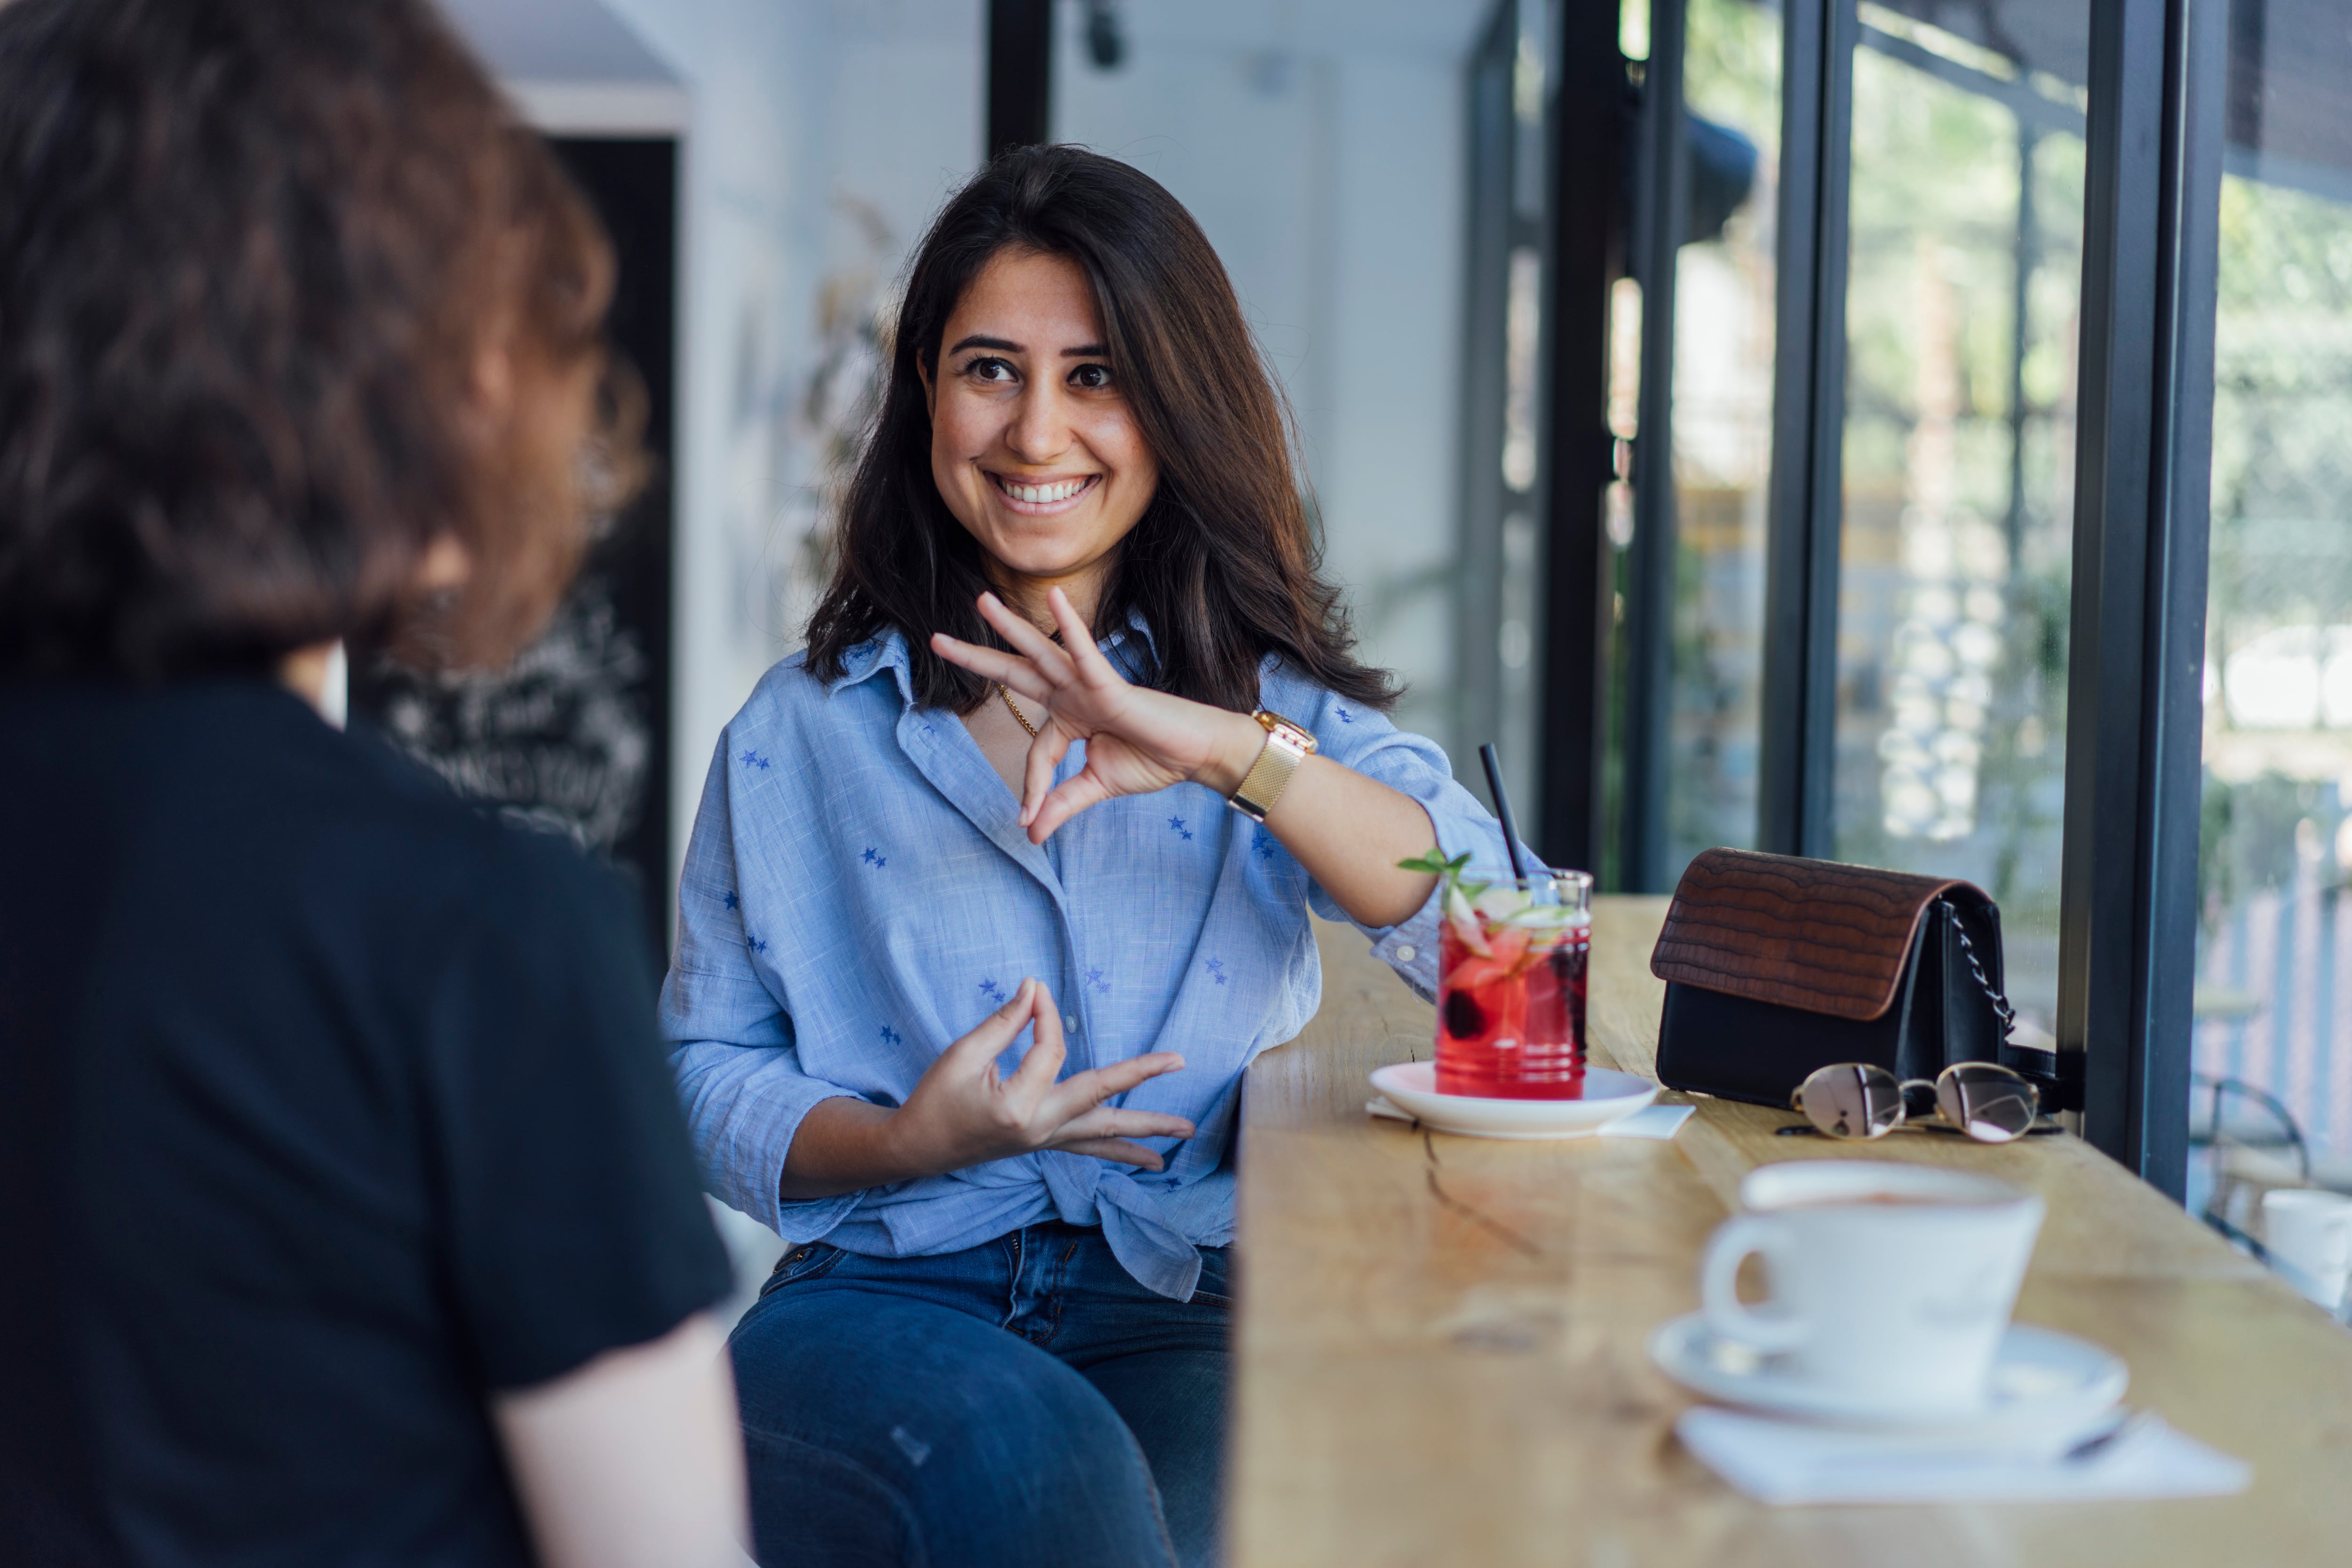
(2282, 520)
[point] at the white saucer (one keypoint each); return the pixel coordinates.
(1411, 1087)
(2043, 1382)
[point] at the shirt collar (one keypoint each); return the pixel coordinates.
(862, 661)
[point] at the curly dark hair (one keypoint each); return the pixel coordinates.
(253, 255)
(1222, 565)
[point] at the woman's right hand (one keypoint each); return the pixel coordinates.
(963, 1112)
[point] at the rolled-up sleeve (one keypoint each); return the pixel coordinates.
(732, 1049)
(1363, 739)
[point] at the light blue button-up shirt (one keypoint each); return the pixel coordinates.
(859, 892)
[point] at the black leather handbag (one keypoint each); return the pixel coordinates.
(1776, 965)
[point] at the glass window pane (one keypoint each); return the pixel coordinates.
(1963, 279)
(2274, 975)
(1722, 423)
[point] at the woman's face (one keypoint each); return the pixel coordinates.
(1034, 447)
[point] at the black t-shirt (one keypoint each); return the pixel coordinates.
(327, 1107)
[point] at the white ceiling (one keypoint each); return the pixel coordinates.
(582, 41)
(1441, 28)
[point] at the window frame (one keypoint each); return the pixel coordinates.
(1804, 508)
(2127, 891)
(2135, 659)
(1662, 177)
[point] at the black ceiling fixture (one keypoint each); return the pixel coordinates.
(1106, 39)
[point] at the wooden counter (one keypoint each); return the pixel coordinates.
(1440, 1339)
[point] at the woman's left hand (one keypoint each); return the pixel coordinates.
(1138, 741)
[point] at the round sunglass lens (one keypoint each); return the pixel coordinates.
(1852, 1102)
(1990, 1103)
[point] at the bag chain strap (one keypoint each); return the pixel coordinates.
(2001, 1007)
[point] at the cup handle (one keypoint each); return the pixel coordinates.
(1718, 1285)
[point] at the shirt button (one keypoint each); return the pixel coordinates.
(1407, 953)
(1070, 1022)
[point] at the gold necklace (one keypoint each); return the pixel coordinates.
(1018, 717)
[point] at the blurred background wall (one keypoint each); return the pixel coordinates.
(824, 133)
(1320, 143)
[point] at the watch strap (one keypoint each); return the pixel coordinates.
(1287, 746)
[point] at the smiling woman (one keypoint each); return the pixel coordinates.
(1077, 432)
(1068, 320)
(1033, 445)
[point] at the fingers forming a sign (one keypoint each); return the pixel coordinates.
(1138, 741)
(965, 1111)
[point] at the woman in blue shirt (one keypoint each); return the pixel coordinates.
(984, 917)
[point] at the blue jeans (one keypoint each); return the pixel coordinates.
(1023, 1404)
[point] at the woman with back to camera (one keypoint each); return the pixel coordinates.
(349, 1214)
(1076, 741)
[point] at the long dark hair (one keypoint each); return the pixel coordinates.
(1221, 566)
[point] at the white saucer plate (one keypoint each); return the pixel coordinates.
(1411, 1087)
(2043, 1383)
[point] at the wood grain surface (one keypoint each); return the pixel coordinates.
(1441, 1340)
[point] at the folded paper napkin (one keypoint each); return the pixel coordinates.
(1650, 1121)
(1790, 1462)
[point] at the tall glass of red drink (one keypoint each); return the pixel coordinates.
(1510, 988)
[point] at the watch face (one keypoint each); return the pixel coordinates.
(1298, 734)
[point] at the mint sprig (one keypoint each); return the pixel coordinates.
(1435, 864)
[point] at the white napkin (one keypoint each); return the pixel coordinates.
(1651, 1122)
(1790, 1462)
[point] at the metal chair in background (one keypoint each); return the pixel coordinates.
(2252, 1144)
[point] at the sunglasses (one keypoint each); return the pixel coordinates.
(1984, 1101)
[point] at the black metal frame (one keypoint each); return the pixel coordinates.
(1584, 256)
(2135, 688)
(1488, 223)
(1020, 73)
(1661, 174)
(1796, 751)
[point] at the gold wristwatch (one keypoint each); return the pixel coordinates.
(1287, 746)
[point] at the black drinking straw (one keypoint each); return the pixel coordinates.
(1502, 808)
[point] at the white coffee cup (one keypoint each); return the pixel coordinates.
(1892, 1285)
(2308, 1234)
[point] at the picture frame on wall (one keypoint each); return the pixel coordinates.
(574, 737)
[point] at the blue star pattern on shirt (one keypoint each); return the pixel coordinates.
(891, 1036)
(1263, 845)
(757, 945)
(733, 903)
(752, 759)
(874, 859)
(1342, 715)
(993, 991)
(1099, 981)
(1216, 968)
(1176, 825)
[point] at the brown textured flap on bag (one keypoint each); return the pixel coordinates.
(1812, 934)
